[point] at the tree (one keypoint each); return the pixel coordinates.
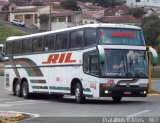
(150, 26)
(70, 4)
(136, 12)
(107, 3)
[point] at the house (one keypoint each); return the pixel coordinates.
(121, 19)
(92, 16)
(60, 18)
(27, 14)
(3, 4)
(65, 18)
(143, 3)
(46, 2)
(4, 10)
(89, 6)
(157, 13)
(116, 11)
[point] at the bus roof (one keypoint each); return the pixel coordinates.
(73, 28)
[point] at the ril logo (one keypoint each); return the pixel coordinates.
(59, 58)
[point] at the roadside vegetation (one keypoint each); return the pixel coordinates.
(6, 31)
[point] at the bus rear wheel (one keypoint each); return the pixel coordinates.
(17, 89)
(79, 93)
(117, 99)
(25, 90)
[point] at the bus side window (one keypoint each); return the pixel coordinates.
(9, 48)
(90, 37)
(27, 45)
(37, 44)
(61, 42)
(76, 38)
(49, 42)
(17, 46)
(86, 62)
(94, 64)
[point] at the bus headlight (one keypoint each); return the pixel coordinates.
(106, 92)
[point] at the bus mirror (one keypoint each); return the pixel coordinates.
(154, 56)
(101, 54)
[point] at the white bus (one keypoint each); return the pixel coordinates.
(95, 60)
(1, 47)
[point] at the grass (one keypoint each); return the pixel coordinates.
(7, 31)
(2, 69)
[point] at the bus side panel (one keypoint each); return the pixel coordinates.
(9, 76)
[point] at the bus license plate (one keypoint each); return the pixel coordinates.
(127, 92)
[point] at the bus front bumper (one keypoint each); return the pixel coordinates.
(123, 91)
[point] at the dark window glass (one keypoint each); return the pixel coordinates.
(86, 62)
(61, 42)
(76, 39)
(9, 48)
(94, 64)
(27, 45)
(90, 37)
(121, 36)
(37, 44)
(17, 46)
(49, 42)
(125, 63)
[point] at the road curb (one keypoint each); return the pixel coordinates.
(8, 116)
(153, 94)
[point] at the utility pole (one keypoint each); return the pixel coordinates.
(150, 72)
(50, 12)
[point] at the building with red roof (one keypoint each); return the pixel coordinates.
(129, 19)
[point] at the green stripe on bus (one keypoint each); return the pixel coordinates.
(28, 70)
(58, 88)
(38, 81)
(39, 87)
(29, 64)
(86, 89)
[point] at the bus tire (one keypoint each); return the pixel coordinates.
(25, 90)
(79, 93)
(17, 89)
(117, 99)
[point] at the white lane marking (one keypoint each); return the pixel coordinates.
(21, 101)
(4, 99)
(138, 113)
(16, 103)
(31, 114)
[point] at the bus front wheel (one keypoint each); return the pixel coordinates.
(25, 90)
(117, 99)
(79, 93)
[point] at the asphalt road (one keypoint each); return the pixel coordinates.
(49, 108)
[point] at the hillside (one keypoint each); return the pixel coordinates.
(6, 31)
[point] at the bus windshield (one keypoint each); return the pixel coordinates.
(121, 36)
(125, 63)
